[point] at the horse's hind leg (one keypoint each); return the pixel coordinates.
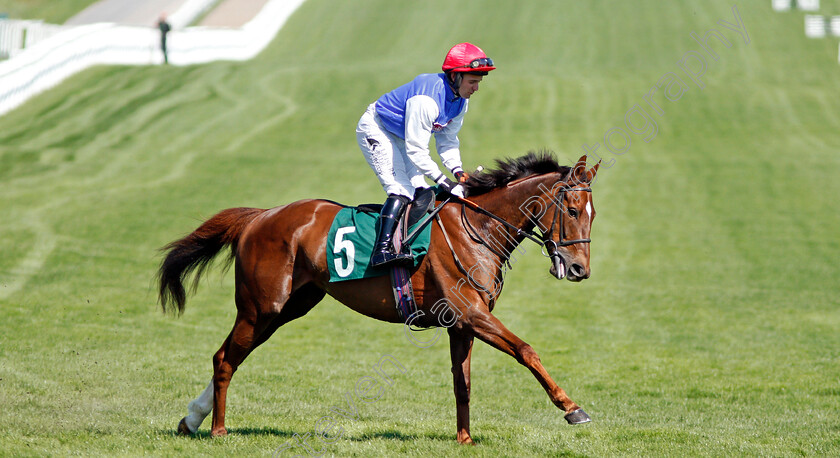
(223, 369)
(243, 339)
(198, 410)
(225, 362)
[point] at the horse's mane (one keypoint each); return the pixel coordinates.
(511, 169)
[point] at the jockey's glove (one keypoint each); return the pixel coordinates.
(450, 186)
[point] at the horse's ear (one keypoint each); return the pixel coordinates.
(579, 171)
(590, 175)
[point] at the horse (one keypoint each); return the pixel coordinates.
(281, 272)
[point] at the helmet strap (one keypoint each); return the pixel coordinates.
(454, 79)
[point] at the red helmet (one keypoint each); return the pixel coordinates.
(467, 58)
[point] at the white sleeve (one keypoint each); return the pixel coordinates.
(420, 114)
(448, 144)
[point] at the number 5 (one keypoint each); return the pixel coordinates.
(341, 244)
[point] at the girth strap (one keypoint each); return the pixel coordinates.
(451, 248)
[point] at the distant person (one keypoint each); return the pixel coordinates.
(164, 29)
(394, 136)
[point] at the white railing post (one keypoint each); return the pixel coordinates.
(815, 26)
(781, 5)
(808, 5)
(834, 26)
(5, 38)
(16, 37)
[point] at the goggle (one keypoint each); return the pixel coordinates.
(480, 62)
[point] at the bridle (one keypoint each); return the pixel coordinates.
(544, 240)
(558, 214)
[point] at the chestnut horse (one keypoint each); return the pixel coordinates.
(281, 271)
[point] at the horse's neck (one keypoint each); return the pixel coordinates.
(514, 203)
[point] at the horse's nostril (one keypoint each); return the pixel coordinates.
(577, 270)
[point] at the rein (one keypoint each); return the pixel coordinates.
(530, 235)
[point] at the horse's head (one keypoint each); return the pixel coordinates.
(567, 223)
(553, 199)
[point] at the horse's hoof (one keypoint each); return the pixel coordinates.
(577, 417)
(218, 432)
(183, 430)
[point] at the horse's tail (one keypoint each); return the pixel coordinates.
(194, 252)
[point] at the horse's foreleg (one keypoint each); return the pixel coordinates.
(460, 349)
(490, 330)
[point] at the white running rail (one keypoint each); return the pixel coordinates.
(61, 55)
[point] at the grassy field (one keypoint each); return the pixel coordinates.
(50, 11)
(710, 325)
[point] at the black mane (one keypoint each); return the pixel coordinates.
(511, 169)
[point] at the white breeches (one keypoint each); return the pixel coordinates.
(385, 153)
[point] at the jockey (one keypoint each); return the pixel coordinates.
(394, 135)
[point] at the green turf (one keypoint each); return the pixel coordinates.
(710, 325)
(50, 11)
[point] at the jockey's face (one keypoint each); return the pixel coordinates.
(469, 85)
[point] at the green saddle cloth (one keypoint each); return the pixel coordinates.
(350, 245)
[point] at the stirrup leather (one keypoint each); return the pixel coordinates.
(383, 248)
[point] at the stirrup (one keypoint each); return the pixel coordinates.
(386, 258)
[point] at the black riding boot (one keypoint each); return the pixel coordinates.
(383, 250)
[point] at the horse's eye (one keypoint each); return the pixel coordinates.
(573, 213)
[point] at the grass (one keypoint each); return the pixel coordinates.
(50, 11)
(710, 325)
